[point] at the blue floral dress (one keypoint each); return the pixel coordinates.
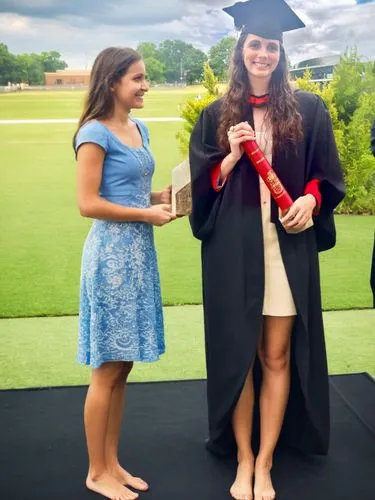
(121, 317)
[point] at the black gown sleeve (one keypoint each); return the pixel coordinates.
(204, 154)
(325, 166)
(373, 138)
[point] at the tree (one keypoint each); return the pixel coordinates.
(210, 82)
(51, 61)
(181, 61)
(359, 164)
(28, 68)
(10, 70)
(193, 61)
(193, 107)
(326, 92)
(31, 68)
(350, 79)
(148, 50)
(220, 55)
(353, 144)
(154, 69)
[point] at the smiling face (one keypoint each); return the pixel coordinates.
(261, 56)
(129, 91)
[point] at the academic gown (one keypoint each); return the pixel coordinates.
(229, 225)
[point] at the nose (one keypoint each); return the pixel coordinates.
(262, 54)
(145, 86)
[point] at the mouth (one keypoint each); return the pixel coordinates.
(261, 65)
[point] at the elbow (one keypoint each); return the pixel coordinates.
(86, 209)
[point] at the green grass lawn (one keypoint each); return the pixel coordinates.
(41, 352)
(68, 104)
(42, 233)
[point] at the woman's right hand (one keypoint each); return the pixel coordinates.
(238, 134)
(159, 215)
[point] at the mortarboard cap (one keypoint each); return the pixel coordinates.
(265, 18)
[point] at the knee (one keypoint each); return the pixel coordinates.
(118, 374)
(275, 362)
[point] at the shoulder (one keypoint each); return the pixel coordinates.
(307, 99)
(213, 109)
(209, 116)
(92, 132)
(142, 126)
(311, 106)
(143, 129)
(92, 127)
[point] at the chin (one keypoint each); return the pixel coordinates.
(260, 73)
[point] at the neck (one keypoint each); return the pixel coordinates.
(259, 86)
(120, 116)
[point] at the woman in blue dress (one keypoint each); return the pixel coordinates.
(121, 319)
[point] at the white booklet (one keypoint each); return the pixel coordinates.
(181, 190)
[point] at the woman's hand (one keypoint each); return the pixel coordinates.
(159, 215)
(238, 134)
(166, 195)
(299, 213)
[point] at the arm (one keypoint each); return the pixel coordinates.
(90, 158)
(164, 196)
(220, 173)
(312, 188)
(155, 197)
(239, 134)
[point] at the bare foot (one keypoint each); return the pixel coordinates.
(124, 477)
(109, 487)
(263, 488)
(242, 486)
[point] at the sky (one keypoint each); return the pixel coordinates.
(80, 29)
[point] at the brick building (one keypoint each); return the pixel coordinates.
(67, 77)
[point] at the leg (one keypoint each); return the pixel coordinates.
(242, 427)
(96, 416)
(274, 355)
(113, 433)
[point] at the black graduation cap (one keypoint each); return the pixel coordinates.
(265, 18)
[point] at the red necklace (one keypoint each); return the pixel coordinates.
(259, 101)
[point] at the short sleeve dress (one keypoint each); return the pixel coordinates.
(120, 315)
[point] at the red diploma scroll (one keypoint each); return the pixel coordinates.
(264, 169)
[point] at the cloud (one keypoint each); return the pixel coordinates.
(80, 29)
(110, 12)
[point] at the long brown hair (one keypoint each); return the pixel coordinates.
(109, 67)
(282, 110)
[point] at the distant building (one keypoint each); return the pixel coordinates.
(321, 68)
(68, 77)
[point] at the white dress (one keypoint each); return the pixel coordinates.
(278, 300)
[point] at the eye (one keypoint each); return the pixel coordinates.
(254, 44)
(272, 47)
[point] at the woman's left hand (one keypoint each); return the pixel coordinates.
(166, 195)
(299, 213)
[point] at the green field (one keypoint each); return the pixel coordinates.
(42, 233)
(41, 352)
(68, 104)
(42, 236)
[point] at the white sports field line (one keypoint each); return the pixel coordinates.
(72, 120)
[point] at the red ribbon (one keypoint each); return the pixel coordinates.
(259, 101)
(264, 169)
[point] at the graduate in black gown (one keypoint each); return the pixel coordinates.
(273, 362)
(372, 275)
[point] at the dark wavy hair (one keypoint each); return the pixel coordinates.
(109, 67)
(282, 110)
